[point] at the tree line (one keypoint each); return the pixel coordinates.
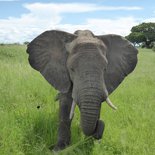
(143, 35)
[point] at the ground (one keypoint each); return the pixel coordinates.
(29, 114)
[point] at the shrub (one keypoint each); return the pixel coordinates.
(153, 48)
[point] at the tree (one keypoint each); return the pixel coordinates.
(142, 33)
(26, 43)
(136, 38)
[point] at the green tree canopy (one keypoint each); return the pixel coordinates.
(136, 37)
(142, 33)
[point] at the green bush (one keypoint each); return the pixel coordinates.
(143, 45)
(153, 48)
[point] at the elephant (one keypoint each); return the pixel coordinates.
(85, 69)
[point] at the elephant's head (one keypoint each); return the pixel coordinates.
(92, 66)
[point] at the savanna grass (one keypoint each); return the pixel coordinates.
(29, 112)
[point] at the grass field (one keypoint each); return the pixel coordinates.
(27, 130)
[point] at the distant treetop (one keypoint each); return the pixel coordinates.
(143, 33)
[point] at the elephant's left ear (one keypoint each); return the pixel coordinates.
(122, 59)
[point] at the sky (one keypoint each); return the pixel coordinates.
(23, 20)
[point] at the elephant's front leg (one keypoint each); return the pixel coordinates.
(64, 132)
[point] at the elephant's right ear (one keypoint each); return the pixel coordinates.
(48, 55)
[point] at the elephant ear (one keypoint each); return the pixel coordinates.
(48, 55)
(122, 59)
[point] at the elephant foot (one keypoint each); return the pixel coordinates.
(99, 130)
(59, 146)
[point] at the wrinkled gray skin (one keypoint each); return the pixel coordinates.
(84, 68)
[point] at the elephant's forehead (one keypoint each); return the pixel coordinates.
(84, 37)
(84, 40)
(85, 33)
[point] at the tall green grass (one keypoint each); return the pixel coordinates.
(26, 129)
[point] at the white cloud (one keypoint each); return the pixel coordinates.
(119, 26)
(75, 7)
(43, 16)
(115, 26)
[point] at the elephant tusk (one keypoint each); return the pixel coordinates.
(110, 104)
(72, 110)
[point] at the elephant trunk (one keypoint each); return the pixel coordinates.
(90, 105)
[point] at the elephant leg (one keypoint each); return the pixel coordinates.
(64, 132)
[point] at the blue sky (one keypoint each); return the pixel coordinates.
(22, 20)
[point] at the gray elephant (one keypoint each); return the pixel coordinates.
(85, 69)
